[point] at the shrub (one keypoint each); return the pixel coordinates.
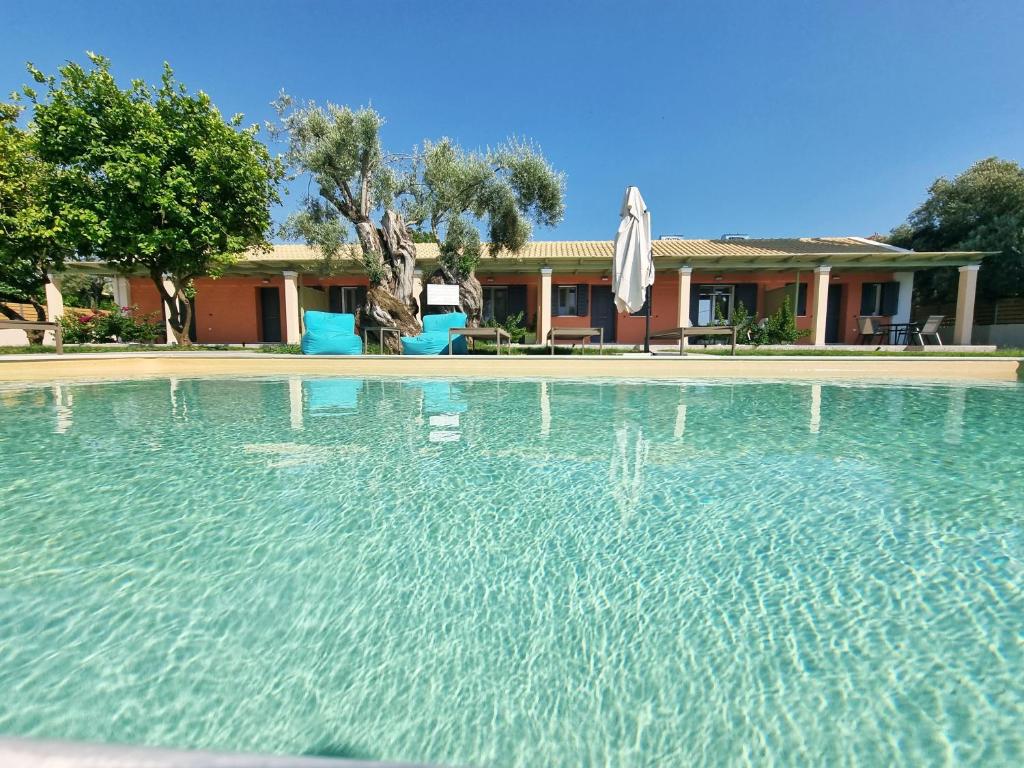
(777, 328)
(104, 327)
(513, 326)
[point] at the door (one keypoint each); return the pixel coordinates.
(270, 315)
(602, 311)
(832, 316)
(714, 304)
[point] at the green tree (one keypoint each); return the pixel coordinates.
(982, 209)
(152, 178)
(29, 237)
(438, 193)
(455, 192)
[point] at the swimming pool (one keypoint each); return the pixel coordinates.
(517, 573)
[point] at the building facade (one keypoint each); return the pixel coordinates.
(830, 281)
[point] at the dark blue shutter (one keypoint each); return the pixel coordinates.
(890, 298)
(801, 300)
(554, 301)
(694, 295)
(334, 298)
(746, 293)
(517, 300)
(582, 300)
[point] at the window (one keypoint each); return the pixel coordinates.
(880, 298)
(345, 299)
(871, 299)
(714, 304)
(565, 300)
(495, 303)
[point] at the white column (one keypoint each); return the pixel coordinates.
(821, 277)
(54, 304)
(291, 307)
(417, 292)
(966, 291)
(906, 281)
(544, 305)
(168, 328)
(122, 291)
(683, 313)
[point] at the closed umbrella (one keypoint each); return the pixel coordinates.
(633, 265)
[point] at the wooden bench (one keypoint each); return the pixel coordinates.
(580, 335)
(483, 332)
(696, 330)
(28, 325)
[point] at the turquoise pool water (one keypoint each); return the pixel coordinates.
(517, 573)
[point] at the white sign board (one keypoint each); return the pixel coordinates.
(443, 295)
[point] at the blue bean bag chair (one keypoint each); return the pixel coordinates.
(330, 333)
(434, 339)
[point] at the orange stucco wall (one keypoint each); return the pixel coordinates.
(228, 311)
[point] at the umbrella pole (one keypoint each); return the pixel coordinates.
(647, 322)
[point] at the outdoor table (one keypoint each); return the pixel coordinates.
(380, 331)
(697, 330)
(898, 331)
(581, 335)
(497, 334)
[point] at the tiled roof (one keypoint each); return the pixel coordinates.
(771, 253)
(602, 249)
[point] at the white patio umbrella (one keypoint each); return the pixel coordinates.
(633, 265)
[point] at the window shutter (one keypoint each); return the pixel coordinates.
(694, 309)
(801, 300)
(890, 298)
(334, 298)
(747, 294)
(867, 298)
(582, 300)
(517, 300)
(554, 301)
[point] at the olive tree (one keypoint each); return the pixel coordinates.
(382, 196)
(152, 178)
(454, 192)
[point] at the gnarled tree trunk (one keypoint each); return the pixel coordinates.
(390, 303)
(471, 293)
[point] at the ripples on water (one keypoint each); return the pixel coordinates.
(517, 573)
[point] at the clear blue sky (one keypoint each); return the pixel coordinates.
(770, 118)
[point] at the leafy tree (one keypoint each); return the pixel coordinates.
(455, 192)
(29, 237)
(152, 177)
(982, 209)
(439, 193)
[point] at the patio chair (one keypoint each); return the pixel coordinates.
(930, 328)
(434, 339)
(330, 333)
(871, 328)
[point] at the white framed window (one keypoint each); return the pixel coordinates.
(566, 300)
